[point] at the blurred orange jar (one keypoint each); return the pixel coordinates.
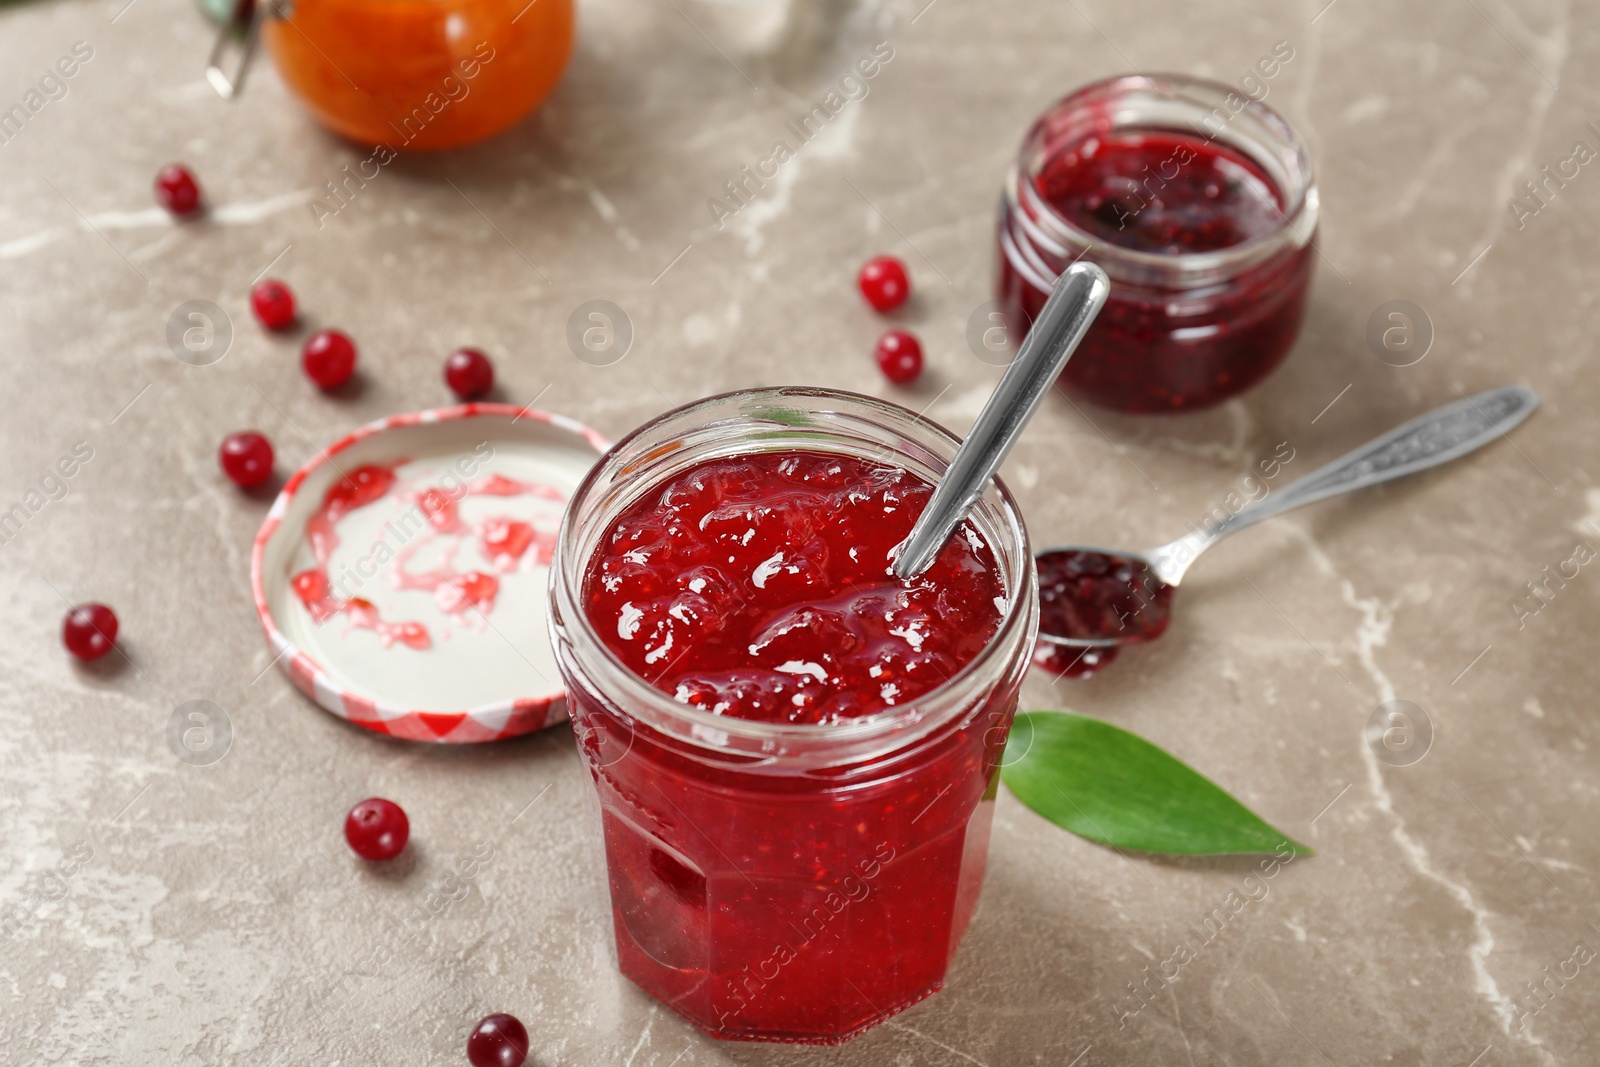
(419, 74)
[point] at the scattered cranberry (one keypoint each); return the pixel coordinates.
(377, 829)
(246, 458)
(899, 356)
(329, 358)
(884, 283)
(273, 303)
(89, 631)
(468, 373)
(498, 1041)
(176, 189)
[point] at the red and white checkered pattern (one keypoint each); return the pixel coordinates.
(489, 722)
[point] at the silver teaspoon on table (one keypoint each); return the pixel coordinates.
(1098, 598)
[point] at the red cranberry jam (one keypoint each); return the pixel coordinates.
(1113, 188)
(760, 587)
(1087, 595)
(1201, 208)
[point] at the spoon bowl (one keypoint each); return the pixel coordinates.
(1095, 598)
(1102, 597)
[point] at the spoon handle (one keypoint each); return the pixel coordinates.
(1440, 436)
(1079, 295)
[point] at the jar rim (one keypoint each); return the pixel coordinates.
(1201, 96)
(904, 724)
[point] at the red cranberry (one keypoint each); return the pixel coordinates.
(468, 373)
(273, 303)
(176, 189)
(89, 631)
(329, 358)
(377, 829)
(498, 1041)
(246, 458)
(899, 356)
(884, 283)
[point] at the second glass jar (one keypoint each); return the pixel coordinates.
(1203, 305)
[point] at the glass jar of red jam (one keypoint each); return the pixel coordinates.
(1200, 205)
(795, 754)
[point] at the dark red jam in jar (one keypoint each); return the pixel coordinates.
(795, 752)
(1201, 207)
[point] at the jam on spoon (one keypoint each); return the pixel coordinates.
(1094, 601)
(1101, 596)
(1102, 600)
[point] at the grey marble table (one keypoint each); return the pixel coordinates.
(163, 912)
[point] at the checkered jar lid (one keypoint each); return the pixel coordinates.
(402, 575)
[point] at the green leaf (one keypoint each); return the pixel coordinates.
(1115, 788)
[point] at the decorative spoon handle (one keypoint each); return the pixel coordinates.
(1079, 295)
(1437, 437)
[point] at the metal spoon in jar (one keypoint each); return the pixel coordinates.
(1092, 598)
(1077, 298)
